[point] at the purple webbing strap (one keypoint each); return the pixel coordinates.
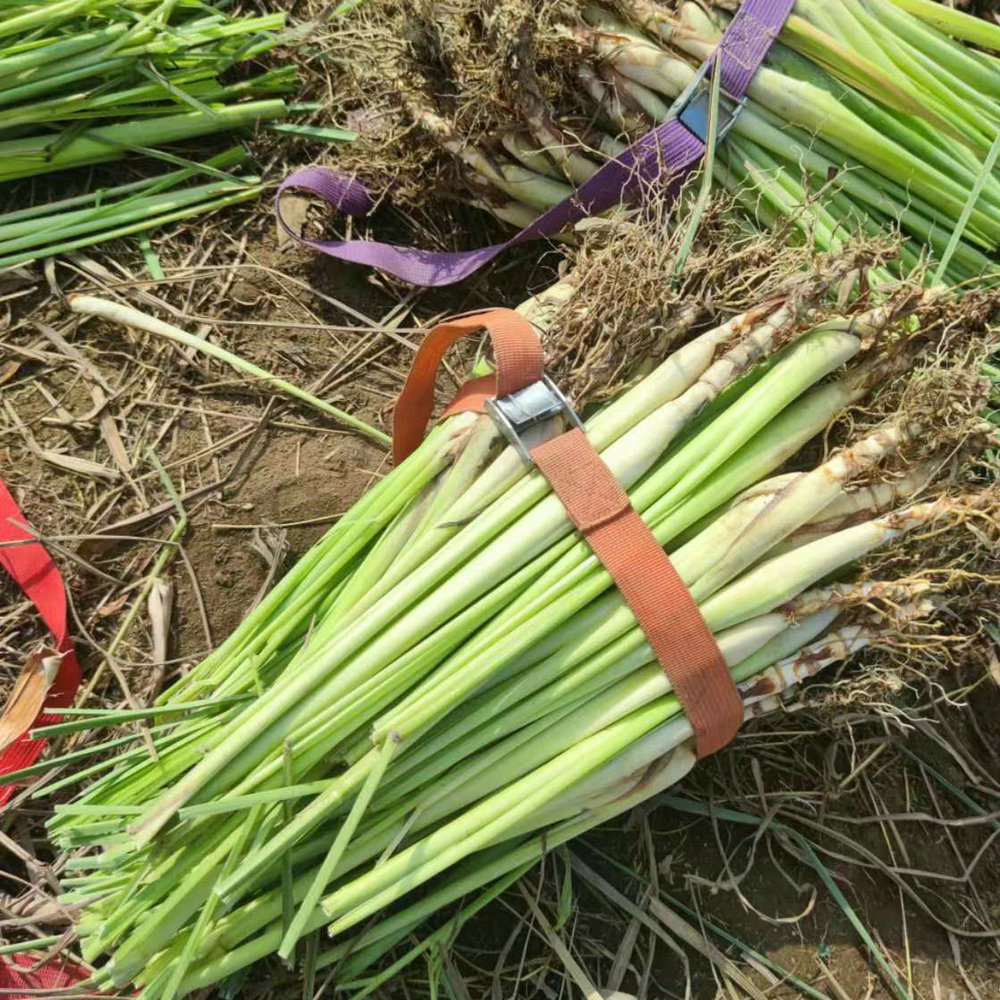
(668, 151)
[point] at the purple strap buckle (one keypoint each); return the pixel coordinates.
(663, 155)
(693, 107)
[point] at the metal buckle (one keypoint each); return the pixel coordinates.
(693, 106)
(517, 414)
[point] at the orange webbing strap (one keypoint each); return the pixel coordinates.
(645, 576)
(518, 356)
(600, 509)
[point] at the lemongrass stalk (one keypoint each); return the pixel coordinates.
(514, 213)
(490, 713)
(199, 91)
(28, 156)
(92, 306)
(230, 158)
(329, 866)
(763, 587)
(954, 158)
(914, 215)
(17, 236)
(140, 226)
(948, 104)
(795, 504)
(366, 585)
(47, 14)
(857, 505)
(805, 359)
(767, 179)
(51, 109)
(814, 109)
(363, 958)
(533, 189)
(529, 155)
(954, 22)
(380, 557)
(572, 163)
(188, 895)
(961, 62)
(55, 53)
(879, 495)
(611, 108)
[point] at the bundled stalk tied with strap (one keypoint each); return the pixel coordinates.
(463, 672)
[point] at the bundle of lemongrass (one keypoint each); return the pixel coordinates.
(85, 82)
(865, 117)
(447, 684)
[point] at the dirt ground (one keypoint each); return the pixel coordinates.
(805, 785)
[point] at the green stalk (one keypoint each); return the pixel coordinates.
(27, 157)
(93, 306)
(329, 866)
(954, 22)
(231, 158)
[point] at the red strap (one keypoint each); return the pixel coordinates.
(21, 976)
(600, 509)
(33, 570)
(518, 355)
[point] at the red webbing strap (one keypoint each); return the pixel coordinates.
(21, 976)
(518, 363)
(601, 511)
(32, 569)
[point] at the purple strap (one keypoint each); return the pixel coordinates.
(668, 151)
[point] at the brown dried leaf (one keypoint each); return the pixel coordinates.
(112, 607)
(81, 466)
(29, 693)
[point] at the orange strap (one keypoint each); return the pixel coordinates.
(518, 355)
(600, 509)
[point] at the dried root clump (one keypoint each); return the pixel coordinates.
(631, 305)
(954, 564)
(474, 64)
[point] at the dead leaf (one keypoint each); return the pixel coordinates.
(294, 209)
(8, 370)
(81, 466)
(160, 604)
(112, 607)
(28, 696)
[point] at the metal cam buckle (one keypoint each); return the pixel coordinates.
(694, 105)
(525, 409)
